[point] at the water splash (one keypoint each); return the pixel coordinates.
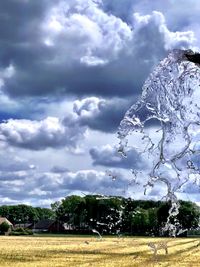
(171, 100)
(96, 232)
(158, 246)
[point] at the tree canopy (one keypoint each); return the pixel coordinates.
(108, 215)
(111, 215)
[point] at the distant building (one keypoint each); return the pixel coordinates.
(47, 225)
(23, 225)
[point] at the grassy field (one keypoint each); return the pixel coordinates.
(89, 251)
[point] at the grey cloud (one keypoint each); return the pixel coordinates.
(101, 114)
(38, 135)
(84, 180)
(78, 48)
(12, 175)
(109, 157)
(59, 169)
(19, 27)
(122, 9)
(95, 113)
(44, 186)
(176, 17)
(10, 163)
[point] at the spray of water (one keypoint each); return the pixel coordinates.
(171, 99)
(96, 232)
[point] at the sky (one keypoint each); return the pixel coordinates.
(69, 70)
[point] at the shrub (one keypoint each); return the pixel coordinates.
(4, 227)
(21, 231)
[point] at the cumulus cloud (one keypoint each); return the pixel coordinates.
(49, 185)
(72, 35)
(84, 180)
(99, 52)
(81, 48)
(170, 40)
(52, 132)
(99, 36)
(38, 135)
(109, 157)
(101, 114)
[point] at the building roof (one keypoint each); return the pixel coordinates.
(3, 219)
(23, 225)
(44, 224)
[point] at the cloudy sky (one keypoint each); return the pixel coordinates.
(68, 72)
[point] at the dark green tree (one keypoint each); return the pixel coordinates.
(189, 215)
(4, 227)
(140, 222)
(44, 213)
(72, 211)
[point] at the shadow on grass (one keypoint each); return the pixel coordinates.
(173, 256)
(16, 258)
(175, 243)
(194, 247)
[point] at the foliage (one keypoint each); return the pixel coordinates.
(18, 214)
(108, 215)
(188, 215)
(111, 215)
(4, 227)
(21, 231)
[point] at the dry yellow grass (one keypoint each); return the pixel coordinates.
(89, 251)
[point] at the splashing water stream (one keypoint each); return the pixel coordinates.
(171, 97)
(96, 232)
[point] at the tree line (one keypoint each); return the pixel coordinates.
(24, 214)
(111, 215)
(108, 215)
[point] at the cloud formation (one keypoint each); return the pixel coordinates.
(108, 156)
(38, 135)
(100, 114)
(77, 47)
(28, 186)
(69, 69)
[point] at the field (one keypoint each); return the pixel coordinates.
(90, 251)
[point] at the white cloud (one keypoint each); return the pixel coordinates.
(77, 47)
(157, 22)
(37, 135)
(87, 107)
(43, 186)
(99, 113)
(98, 36)
(101, 37)
(108, 155)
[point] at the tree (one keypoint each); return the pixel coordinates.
(140, 222)
(153, 221)
(4, 227)
(22, 214)
(189, 215)
(55, 206)
(71, 210)
(110, 212)
(162, 214)
(25, 214)
(44, 213)
(116, 214)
